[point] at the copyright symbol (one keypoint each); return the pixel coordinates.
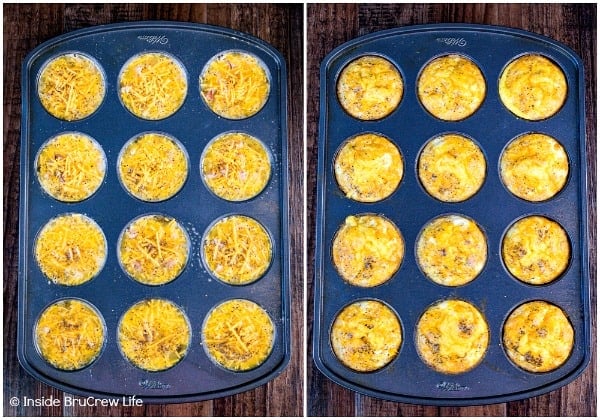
(14, 402)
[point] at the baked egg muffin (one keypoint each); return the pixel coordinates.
(71, 86)
(451, 87)
(154, 334)
(452, 336)
(71, 166)
(451, 250)
(69, 334)
(368, 167)
(538, 336)
(452, 168)
(153, 249)
(236, 166)
(235, 85)
(534, 167)
(532, 87)
(153, 167)
(238, 334)
(237, 250)
(536, 250)
(70, 249)
(370, 88)
(152, 85)
(366, 335)
(367, 250)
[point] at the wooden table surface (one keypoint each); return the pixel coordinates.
(27, 26)
(330, 25)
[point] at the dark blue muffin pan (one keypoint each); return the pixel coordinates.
(112, 292)
(495, 292)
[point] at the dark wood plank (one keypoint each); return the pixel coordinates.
(25, 27)
(331, 25)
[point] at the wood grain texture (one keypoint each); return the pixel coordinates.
(330, 25)
(25, 27)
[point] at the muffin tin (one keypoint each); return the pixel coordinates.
(112, 292)
(495, 292)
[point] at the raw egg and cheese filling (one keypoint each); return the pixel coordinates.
(236, 166)
(367, 250)
(237, 250)
(70, 249)
(235, 85)
(71, 167)
(452, 250)
(452, 336)
(533, 87)
(238, 334)
(534, 167)
(153, 249)
(451, 87)
(366, 335)
(153, 167)
(71, 87)
(536, 250)
(69, 334)
(538, 336)
(370, 88)
(452, 168)
(152, 85)
(154, 334)
(368, 168)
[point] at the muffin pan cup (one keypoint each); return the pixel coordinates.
(494, 291)
(112, 292)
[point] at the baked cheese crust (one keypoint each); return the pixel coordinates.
(452, 336)
(452, 168)
(370, 88)
(366, 335)
(238, 334)
(534, 167)
(451, 87)
(367, 250)
(533, 87)
(368, 167)
(451, 250)
(538, 336)
(70, 334)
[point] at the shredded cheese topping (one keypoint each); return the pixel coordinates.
(536, 250)
(452, 336)
(368, 168)
(238, 335)
(71, 167)
(153, 249)
(236, 166)
(153, 86)
(70, 249)
(153, 167)
(452, 168)
(154, 334)
(534, 167)
(533, 87)
(451, 250)
(366, 335)
(367, 250)
(237, 250)
(538, 336)
(370, 88)
(451, 88)
(235, 85)
(69, 334)
(71, 87)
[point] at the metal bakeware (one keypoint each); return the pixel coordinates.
(195, 291)
(495, 292)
